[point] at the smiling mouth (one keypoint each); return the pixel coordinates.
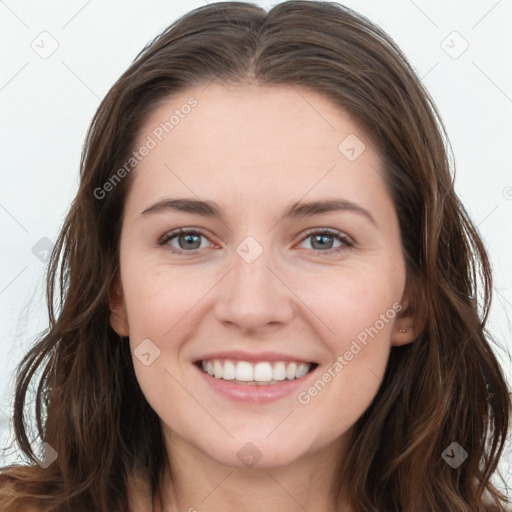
(263, 373)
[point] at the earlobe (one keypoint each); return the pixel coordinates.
(118, 317)
(411, 319)
(404, 331)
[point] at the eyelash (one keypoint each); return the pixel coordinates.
(341, 237)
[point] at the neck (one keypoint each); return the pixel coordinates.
(197, 483)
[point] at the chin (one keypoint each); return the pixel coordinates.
(257, 450)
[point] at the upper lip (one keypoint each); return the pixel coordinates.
(242, 355)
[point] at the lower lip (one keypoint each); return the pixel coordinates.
(254, 393)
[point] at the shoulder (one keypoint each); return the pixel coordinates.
(18, 483)
(490, 506)
(13, 479)
(139, 493)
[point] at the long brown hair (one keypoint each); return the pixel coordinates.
(445, 387)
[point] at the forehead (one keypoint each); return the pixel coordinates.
(255, 140)
(278, 116)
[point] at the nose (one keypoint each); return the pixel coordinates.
(253, 297)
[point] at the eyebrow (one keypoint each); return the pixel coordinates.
(296, 210)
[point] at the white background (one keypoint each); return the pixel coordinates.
(47, 104)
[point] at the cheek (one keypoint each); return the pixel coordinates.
(347, 384)
(350, 302)
(157, 297)
(358, 313)
(338, 307)
(347, 310)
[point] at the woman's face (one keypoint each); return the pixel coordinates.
(291, 261)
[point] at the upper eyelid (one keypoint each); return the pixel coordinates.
(329, 231)
(169, 235)
(309, 232)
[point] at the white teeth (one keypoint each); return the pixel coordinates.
(217, 368)
(244, 371)
(290, 371)
(260, 373)
(263, 372)
(302, 370)
(229, 371)
(279, 372)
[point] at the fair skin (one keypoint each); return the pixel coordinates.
(256, 150)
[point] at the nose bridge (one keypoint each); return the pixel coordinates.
(252, 296)
(252, 279)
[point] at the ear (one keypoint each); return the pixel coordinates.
(404, 330)
(410, 321)
(118, 316)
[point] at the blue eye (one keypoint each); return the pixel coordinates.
(321, 240)
(324, 240)
(187, 240)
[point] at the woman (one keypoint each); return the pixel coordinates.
(266, 287)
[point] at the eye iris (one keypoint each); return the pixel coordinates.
(193, 241)
(323, 240)
(189, 238)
